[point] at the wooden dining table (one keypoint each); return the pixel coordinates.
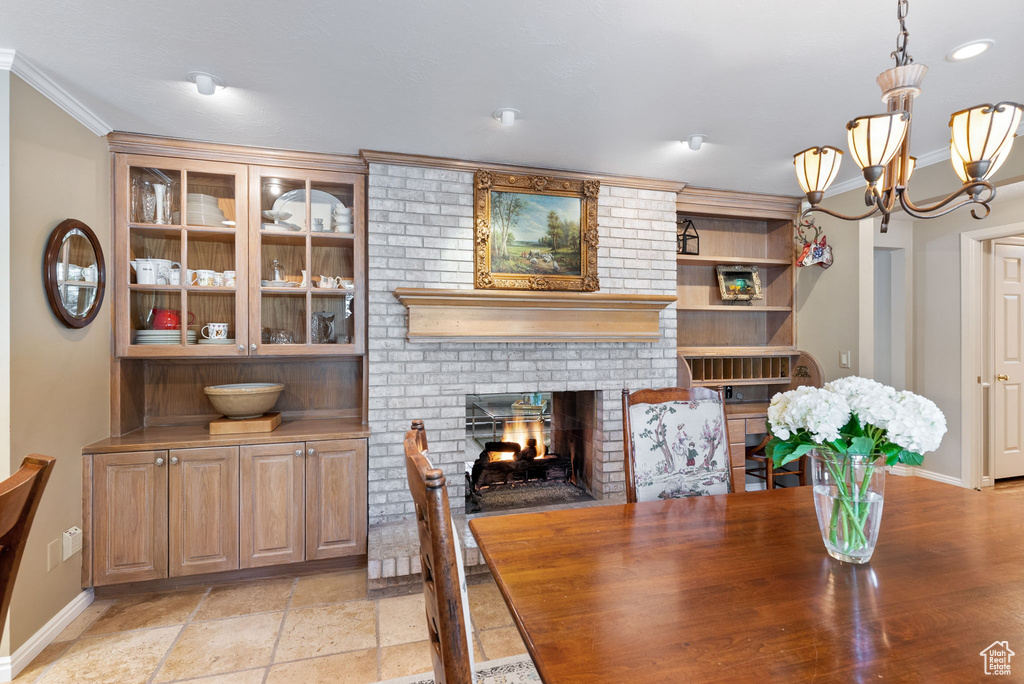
(738, 587)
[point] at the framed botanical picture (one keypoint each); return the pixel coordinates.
(739, 283)
(535, 232)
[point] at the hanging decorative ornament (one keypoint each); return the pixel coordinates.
(816, 250)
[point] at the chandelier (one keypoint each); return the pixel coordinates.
(980, 142)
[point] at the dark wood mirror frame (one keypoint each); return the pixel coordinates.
(50, 282)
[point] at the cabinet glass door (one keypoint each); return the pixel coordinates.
(307, 237)
(181, 257)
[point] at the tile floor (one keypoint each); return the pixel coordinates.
(317, 628)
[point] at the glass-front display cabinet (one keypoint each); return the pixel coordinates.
(222, 259)
(181, 266)
(305, 239)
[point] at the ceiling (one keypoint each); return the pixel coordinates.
(603, 85)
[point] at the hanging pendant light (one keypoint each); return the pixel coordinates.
(981, 138)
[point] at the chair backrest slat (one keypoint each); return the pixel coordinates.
(19, 499)
(449, 637)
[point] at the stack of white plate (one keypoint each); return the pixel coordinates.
(342, 219)
(203, 210)
(162, 337)
(203, 340)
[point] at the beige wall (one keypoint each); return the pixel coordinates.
(830, 310)
(59, 386)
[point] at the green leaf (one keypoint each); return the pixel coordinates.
(911, 458)
(839, 445)
(779, 450)
(853, 428)
(862, 446)
(795, 454)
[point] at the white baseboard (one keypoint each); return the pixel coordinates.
(917, 471)
(11, 666)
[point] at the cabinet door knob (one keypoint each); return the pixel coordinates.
(298, 452)
(174, 460)
(252, 346)
(241, 347)
(159, 461)
(311, 452)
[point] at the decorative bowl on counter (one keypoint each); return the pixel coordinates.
(244, 400)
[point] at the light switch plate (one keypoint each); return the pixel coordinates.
(72, 542)
(844, 358)
(52, 555)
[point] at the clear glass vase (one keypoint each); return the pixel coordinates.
(848, 497)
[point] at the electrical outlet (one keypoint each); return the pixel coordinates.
(52, 555)
(72, 542)
(844, 358)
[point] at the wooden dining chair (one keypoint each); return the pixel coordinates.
(675, 443)
(444, 578)
(19, 498)
(806, 371)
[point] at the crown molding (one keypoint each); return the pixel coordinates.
(712, 202)
(160, 146)
(470, 166)
(26, 70)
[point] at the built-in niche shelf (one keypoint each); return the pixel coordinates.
(522, 316)
(754, 307)
(697, 260)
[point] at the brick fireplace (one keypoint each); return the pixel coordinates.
(420, 235)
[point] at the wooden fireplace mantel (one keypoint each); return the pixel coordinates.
(523, 316)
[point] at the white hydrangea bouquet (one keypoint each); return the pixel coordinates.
(854, 416)
(851, 427)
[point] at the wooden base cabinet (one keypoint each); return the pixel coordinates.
(335, 498)
(129, 517)
(203, 503)
(170, 513)
(272, 510)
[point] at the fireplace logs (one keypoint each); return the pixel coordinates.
(506, 463)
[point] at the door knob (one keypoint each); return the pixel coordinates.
(1002, 377)
(312, 451)
(174, 460)
(298, 452)
(159, 461)
(241, 347)
(252, 346)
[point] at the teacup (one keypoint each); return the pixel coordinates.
(229, 278)
(328, 283)
(204, 277)
(174, 277)
(218, 279)
(218, 331)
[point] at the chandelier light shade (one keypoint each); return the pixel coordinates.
(817, 167)
(874, 140)
(960, 164)
(980, 141)
(980, 133)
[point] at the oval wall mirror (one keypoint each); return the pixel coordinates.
(74, 274)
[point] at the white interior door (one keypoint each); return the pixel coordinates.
(1008, 366)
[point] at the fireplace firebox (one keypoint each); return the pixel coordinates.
(532, 449)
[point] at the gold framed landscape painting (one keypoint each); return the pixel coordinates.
(535, 232)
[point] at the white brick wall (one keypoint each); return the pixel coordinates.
(420, 234)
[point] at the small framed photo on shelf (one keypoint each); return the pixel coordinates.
(739, 283)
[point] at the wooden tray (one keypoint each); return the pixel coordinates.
(268, 422)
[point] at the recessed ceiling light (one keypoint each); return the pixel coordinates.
(507, 116)
(206, 84)
(694, 141)
(969, 50)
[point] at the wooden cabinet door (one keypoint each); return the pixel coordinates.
(335, 498)
(129, 517)
(272, 511)
(203, 505)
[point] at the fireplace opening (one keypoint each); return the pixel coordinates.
(527, 450)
